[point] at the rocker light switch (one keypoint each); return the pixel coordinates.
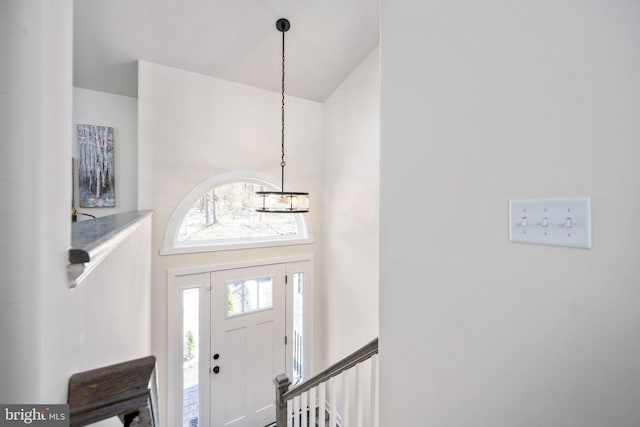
(555, 222)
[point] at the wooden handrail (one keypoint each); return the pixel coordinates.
(126, 389)
(360, 355)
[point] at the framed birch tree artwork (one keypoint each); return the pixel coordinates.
(96, 180)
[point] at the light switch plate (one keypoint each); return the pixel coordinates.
(555, 222)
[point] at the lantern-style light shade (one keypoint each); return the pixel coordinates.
(282, 202)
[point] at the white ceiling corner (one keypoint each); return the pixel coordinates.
(234, 40)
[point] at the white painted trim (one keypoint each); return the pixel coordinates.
(233, 244)
(204, 373)
(306, 267)
(183, 271)
(174, 334)
(172, 246)
(174, 374)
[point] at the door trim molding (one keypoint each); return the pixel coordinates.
(207, 268)
(174, 341)
(174, 323)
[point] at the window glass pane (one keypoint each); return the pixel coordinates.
(234, 298)
(298, 327)
(266, 293)
(191, 340)
(228, 212)
(250, 295)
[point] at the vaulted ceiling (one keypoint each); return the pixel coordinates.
(229, 39)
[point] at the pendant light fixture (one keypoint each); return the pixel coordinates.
(282, 201)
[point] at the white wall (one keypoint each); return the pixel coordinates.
(105, 320)
(192, 127)
(348, 297)
(91, 107)
(482, 102)
(47, 331)
(35, 118)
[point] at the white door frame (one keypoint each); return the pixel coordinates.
(200, 278)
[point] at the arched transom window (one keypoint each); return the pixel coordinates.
(220, 214)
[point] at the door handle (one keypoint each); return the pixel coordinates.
(216, 369)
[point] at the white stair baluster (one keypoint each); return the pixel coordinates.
(296, 411)
(374, 391)
(358, 397)
(346, 403)
(289, 412)
(346, 393)
(322, 404)
(304, 409)
(333, 400)
(312, 407)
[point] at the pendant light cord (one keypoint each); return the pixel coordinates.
(281, 201)
(282, 162)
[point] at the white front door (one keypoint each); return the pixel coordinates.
(247, 344)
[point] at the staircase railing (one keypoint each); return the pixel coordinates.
(316, 400)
